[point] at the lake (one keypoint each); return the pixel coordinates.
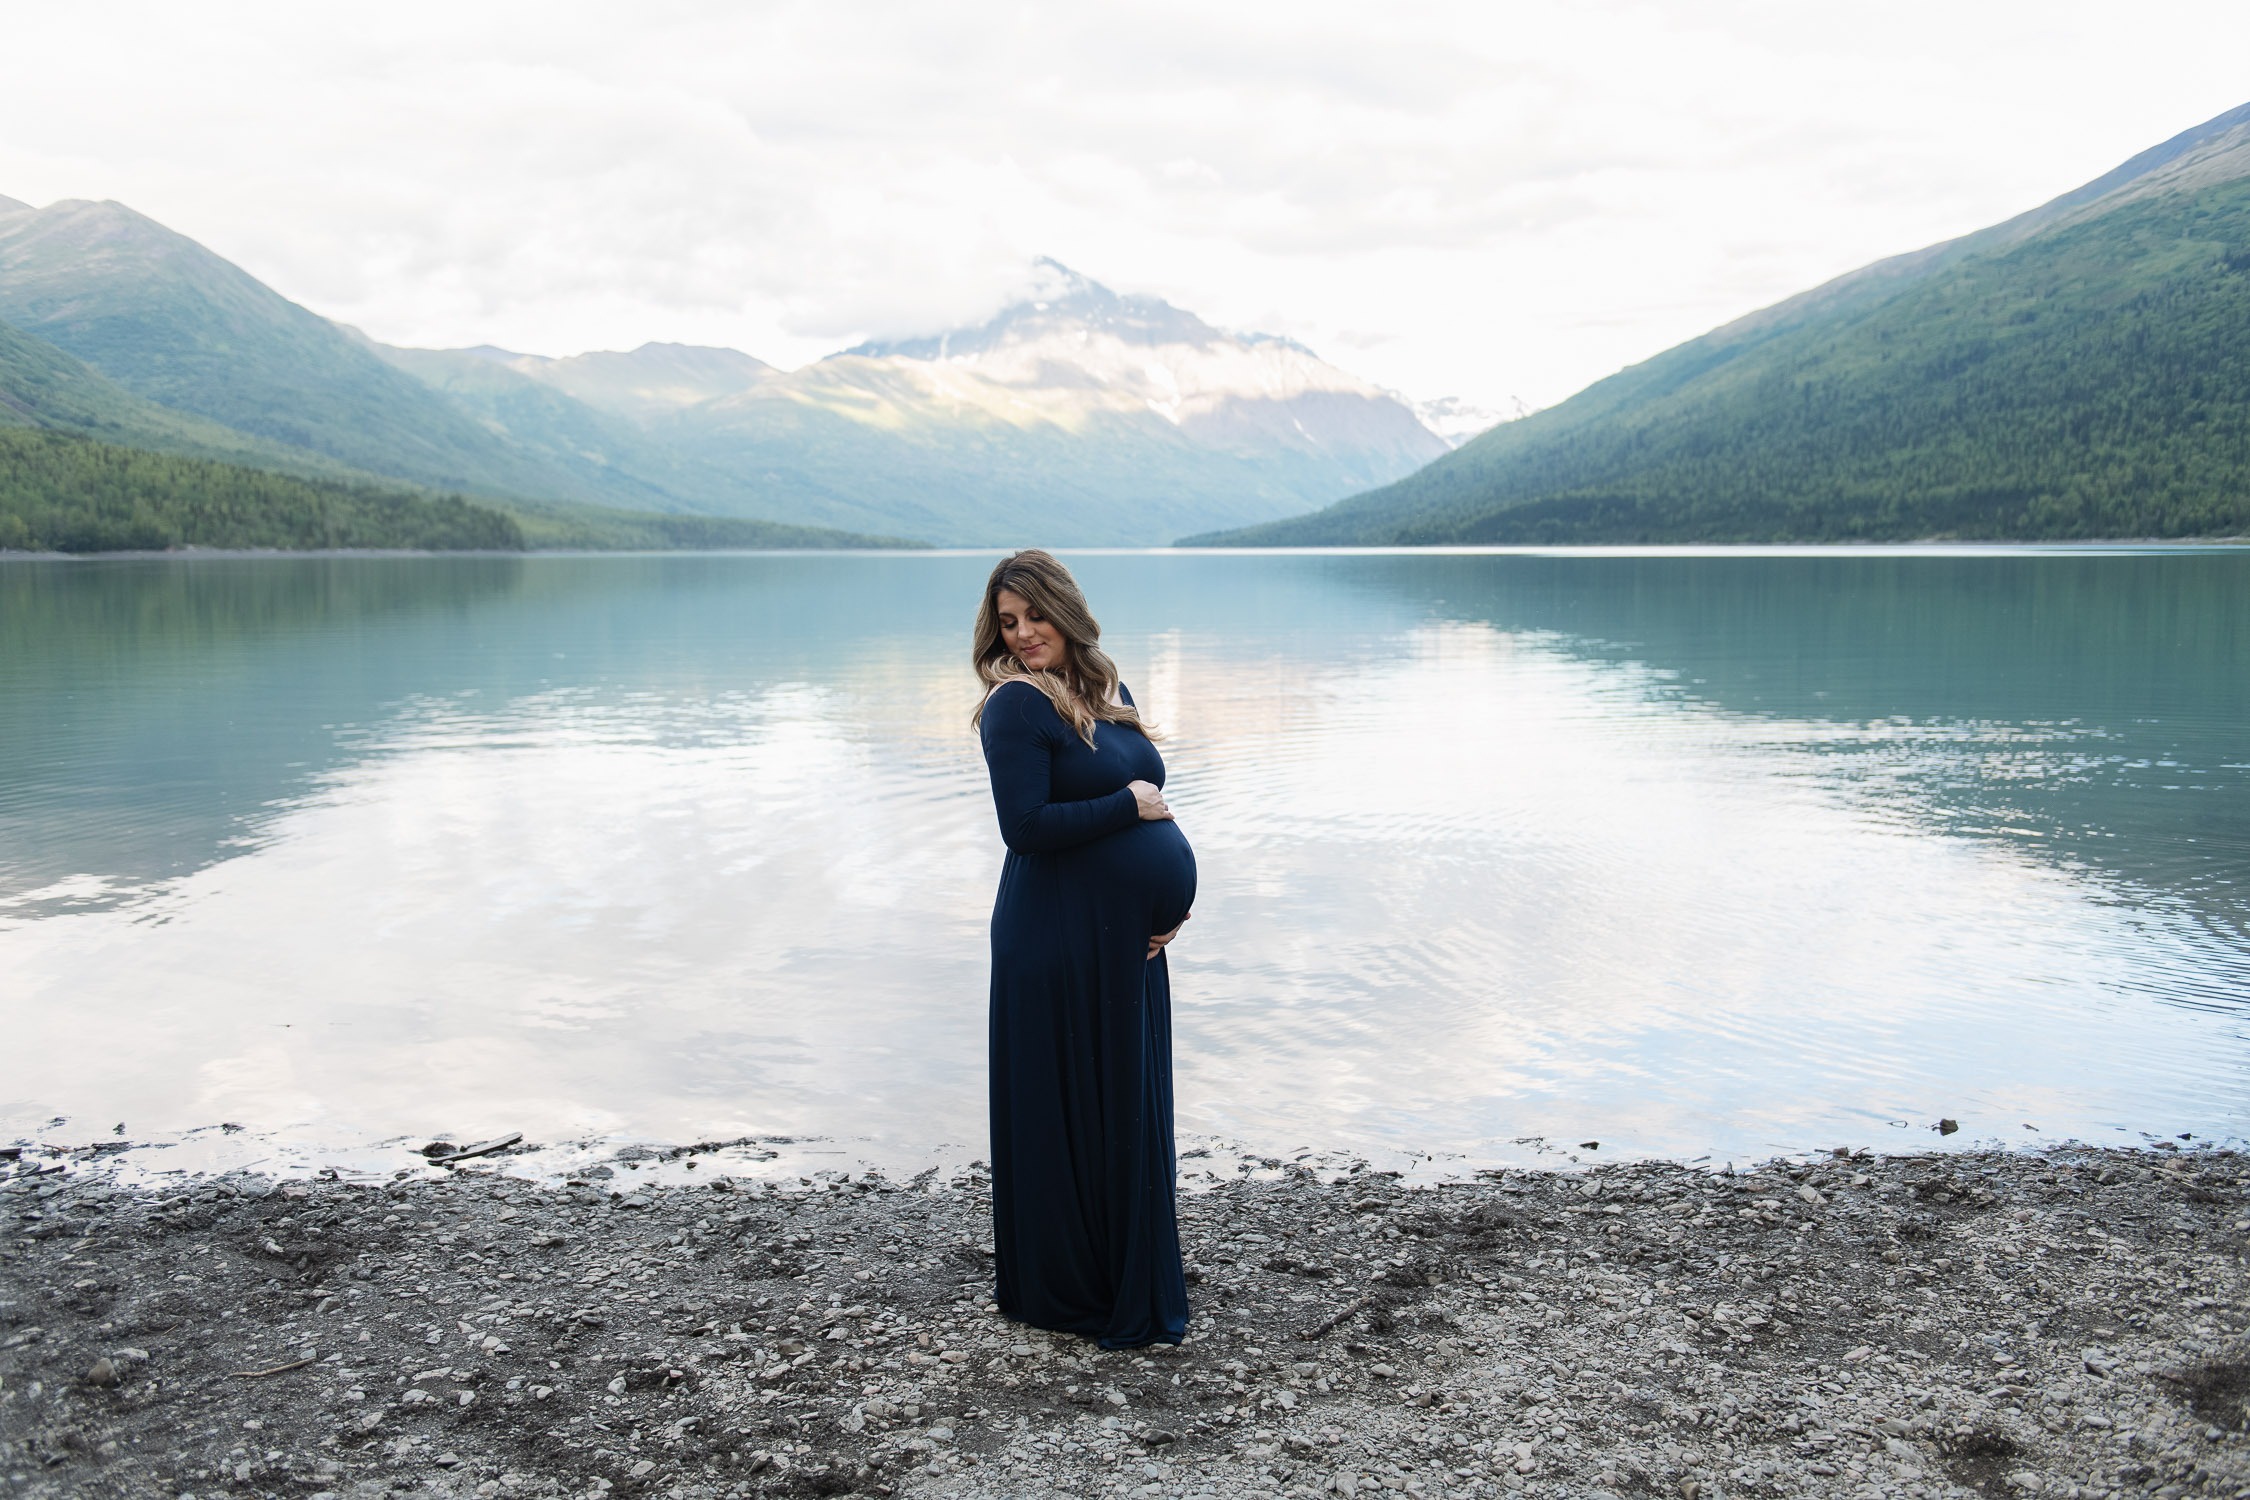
(1696, 855)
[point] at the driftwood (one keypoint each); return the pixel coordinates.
(481, 1148)
(295, 1364)
(1350, 1309)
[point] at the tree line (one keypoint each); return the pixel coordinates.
(60, 493)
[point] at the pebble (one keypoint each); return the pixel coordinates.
(1567, 1341)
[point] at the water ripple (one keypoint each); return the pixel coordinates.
(1693, 856)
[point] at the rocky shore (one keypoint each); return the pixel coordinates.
(1979, 1323)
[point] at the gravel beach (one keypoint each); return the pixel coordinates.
(1963, 1323)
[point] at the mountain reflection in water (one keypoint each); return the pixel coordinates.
(1689, 854)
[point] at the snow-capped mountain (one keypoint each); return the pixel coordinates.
(1071, 347)
(1073, 414)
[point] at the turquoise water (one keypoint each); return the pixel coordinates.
(1699, 855)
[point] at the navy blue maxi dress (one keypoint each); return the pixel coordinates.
(1085, 1235)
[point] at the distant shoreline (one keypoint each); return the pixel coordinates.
(190, 554)
(1607, 549)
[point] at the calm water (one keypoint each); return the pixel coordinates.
(1688, 854)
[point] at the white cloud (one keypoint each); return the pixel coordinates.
(1482, 201)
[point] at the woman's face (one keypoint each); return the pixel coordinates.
(1029, 634)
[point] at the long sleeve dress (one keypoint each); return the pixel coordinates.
(1085, 1235)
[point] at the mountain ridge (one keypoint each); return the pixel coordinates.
(1110, 419)
(1700, 441)
(652, 380)
(1054, 288)
(166, 319)
(86, 465)
(1079, 418)
(44, 388)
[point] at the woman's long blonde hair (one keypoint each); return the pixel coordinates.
(1081, 690)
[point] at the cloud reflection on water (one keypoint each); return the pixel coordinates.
(655, 857)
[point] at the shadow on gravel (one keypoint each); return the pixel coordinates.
(1980, 1460)
(2216, 1392)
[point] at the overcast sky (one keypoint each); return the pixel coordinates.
(1494, 201)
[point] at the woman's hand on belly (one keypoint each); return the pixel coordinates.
(1156, 943)
(1148, 798)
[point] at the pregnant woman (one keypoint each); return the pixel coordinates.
(1098, 880)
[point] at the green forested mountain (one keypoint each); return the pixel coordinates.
(180, 327)
(1075, 416)
(87, 466)
(611, 459)
(677, 493)
(145, 338)
(42, 387)
(60, 493)
(2082, 371)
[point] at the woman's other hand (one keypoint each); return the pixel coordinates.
(1151, 799)
(1156, 944)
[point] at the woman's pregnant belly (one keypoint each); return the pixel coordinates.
(1148, 867)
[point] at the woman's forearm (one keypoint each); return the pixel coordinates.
(1049, 827)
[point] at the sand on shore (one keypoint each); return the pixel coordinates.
(1985, 1322)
